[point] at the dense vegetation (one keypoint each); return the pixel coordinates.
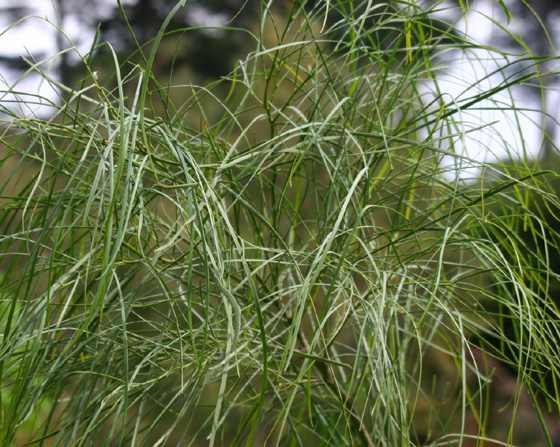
(289, 255)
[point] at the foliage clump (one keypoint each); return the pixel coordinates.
(285, 256)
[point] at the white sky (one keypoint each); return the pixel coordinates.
(36, 36)
(502, 138)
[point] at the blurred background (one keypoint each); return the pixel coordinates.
(204, 53)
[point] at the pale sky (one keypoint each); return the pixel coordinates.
(36, 36)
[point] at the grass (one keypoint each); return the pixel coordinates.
(282, 257)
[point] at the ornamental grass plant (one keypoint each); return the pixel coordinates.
(291, 255)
